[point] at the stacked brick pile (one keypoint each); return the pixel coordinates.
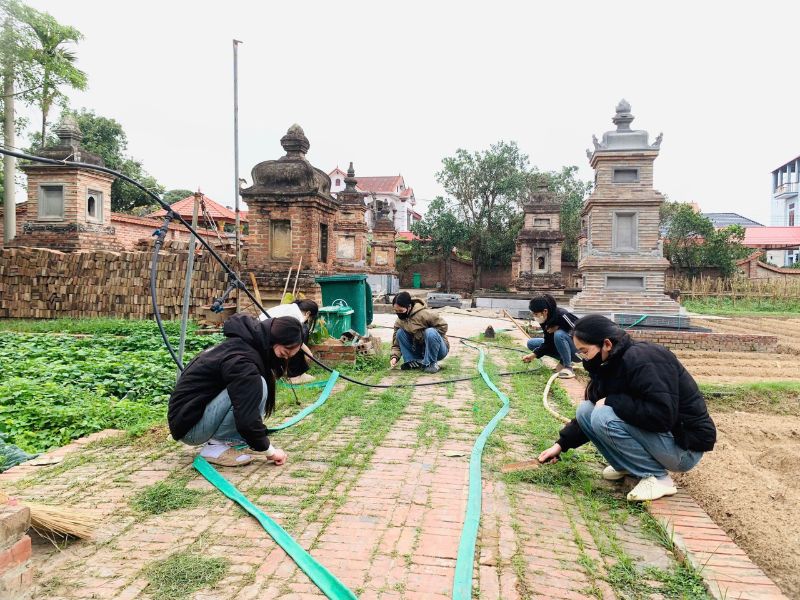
(714, 342)
(43, 284)
(15, 552)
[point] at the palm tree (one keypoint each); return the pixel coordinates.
(55, 61)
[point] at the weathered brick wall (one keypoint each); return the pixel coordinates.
(715, 342)
(16, 572)
(44, 284)
(461, 275)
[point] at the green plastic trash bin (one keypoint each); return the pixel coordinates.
(337, 319)
(352, 291)
(417, 281)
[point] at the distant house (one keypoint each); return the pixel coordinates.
(721, 220)
(390, 190)
(785, 182)
(214, 216)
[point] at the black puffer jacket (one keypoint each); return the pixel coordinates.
(561, 318)
(238, 364)
(649, 388)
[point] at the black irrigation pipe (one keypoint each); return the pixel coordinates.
(233, 278)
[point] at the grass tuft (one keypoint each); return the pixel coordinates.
(184, 573)
(165, 496)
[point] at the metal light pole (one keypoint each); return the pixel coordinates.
(236, 156)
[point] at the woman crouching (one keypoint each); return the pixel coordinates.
(223, 395)
(642, 410)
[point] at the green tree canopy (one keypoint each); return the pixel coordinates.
(691, 242)
(485, 189)
(440, 232)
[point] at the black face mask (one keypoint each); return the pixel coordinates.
(593, 364)
(404, 315)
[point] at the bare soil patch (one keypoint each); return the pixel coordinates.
(749, 486)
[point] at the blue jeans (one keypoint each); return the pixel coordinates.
(567, 353)
(627, 448)
(217, 421)
(435, 348)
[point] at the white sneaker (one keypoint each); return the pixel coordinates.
(611, 474)
(566, 373)
(650, 488)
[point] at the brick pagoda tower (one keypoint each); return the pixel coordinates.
(351, 227)
(69, 208)
(291, 215)
(621, 258)
(536, 264)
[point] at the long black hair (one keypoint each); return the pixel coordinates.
(544, 301)
(309, 306)
(594, 329)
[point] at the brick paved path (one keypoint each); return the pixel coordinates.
(383, 514)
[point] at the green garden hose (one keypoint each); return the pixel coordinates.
(462, 583)
(322, 578)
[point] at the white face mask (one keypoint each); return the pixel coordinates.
(540, 318)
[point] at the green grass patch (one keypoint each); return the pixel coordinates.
(433, 425)
(773, 397)
(165, 496)
(184, 573)
(783, 307)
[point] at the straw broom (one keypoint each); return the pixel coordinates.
(62, 522)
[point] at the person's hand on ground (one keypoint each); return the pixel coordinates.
(393, 362)
(528, 358)
(550, 455)
(280, 456)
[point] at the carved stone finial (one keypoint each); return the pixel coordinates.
(68, 131)
(623, 118)
(295, 141)
(350, 171)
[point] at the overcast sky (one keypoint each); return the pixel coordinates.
(396, 86)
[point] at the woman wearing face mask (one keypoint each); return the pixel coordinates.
(306, 312)
(643, 411)
(556, 324)
(223, 395)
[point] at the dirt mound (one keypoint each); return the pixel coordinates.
(749, 486)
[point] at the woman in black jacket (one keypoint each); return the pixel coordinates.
(556, 324)
(223, 395)
(643, 411)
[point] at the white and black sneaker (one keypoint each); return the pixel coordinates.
(412, 364)
(432, 368)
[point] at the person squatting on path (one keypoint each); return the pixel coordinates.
(223, 395)
(643, 411)
(419, 335)
(556, 324)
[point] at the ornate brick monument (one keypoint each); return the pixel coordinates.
(384, 249)
(69, 208)
(351, 227)
(292, 215)
(536, 264)
(621, 258)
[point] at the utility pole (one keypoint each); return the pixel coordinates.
(9, 162)
(236, 159)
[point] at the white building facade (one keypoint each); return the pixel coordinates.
(785, 208)
(390, 191)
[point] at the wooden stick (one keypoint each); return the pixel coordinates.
(299, 266)
(513, 320)
(256, 292)
(286, 287)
